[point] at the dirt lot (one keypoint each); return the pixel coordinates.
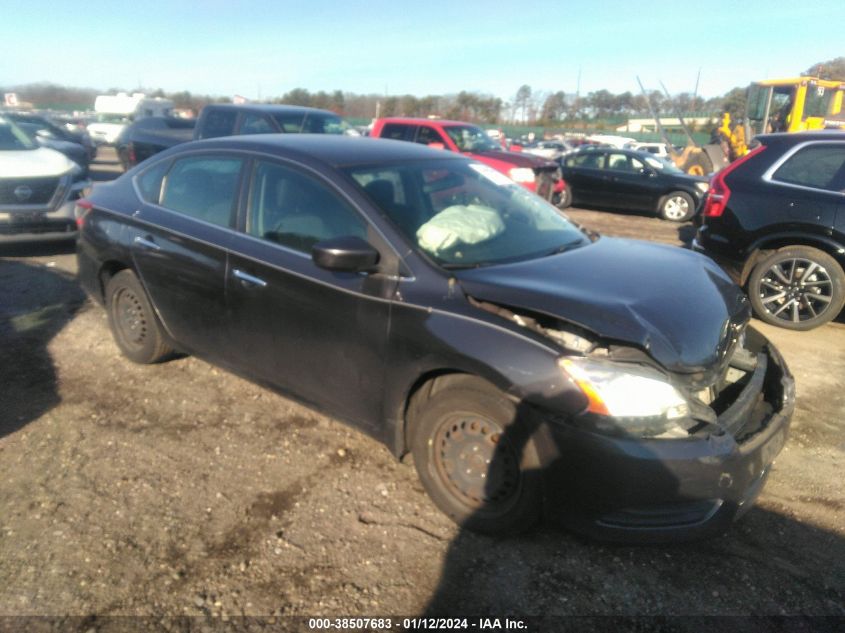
(180, 489)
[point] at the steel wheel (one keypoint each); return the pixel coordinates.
(475, 457)
(132, 320)
(474, 463)
(797, 288)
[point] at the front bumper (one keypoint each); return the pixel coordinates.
(54, 222)
(633, 489)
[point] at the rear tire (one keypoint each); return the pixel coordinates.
(475, 459)
(797, 288)
(677, 206)
(133, 322)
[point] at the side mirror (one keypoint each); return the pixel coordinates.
(648, 173)
(348, 253)
(436, 145)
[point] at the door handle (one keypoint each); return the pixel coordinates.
(140, 241)
(249, 280)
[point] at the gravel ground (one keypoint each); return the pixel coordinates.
(180, 489)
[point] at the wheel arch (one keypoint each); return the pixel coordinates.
(420, 390)
(761, 249)
(108, 269)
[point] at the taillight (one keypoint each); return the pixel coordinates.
(719, 192)
(132, 160)
(83, 208)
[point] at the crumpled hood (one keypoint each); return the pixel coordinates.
(676, 304)
(34, 163)
(518, 159)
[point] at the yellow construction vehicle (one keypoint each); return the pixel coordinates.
(794, 105)
(694, 159)
(773, 105)
(732, 139)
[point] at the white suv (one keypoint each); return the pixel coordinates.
(38, 189)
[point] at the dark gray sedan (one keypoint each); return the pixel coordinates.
(435, 304)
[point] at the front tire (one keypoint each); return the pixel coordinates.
(564, 200)
(797, 288)
(133, 322)
(677, 206)
(476, 459)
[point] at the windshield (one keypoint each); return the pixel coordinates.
(13, 138)
(464, 214)
(663, 164)
(818, 101)
(108, 117)
(469, 138)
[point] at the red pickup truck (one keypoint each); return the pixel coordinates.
(536, 174)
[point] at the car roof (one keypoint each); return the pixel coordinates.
(269, 108)
(803, 137)
(331, 149)
(23, 115)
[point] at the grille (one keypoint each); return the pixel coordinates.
(41, 190)
(46, 226)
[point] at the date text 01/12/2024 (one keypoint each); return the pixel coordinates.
(414, 624)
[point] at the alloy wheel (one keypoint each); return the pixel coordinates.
(796, 290)
(676, 208)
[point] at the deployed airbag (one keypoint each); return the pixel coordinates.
(469, 224)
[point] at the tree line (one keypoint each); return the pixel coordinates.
(527, 106)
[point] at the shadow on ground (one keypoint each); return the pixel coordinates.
(765, 565)
(27, 325)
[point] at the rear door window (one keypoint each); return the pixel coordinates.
(218, 123)
(397, 131)
(818, 166)
(203, 187)
(619, 162)
(149, 182)
(587, 160)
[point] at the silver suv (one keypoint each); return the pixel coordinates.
(38, 189)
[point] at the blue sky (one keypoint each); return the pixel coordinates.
(264, 48)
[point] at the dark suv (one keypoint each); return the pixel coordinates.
(775, 219)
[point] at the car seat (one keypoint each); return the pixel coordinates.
(383, 194)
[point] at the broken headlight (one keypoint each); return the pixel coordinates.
(628, 400)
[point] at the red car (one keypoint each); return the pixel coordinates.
(536, 174)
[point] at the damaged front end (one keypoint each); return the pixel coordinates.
(658, 453)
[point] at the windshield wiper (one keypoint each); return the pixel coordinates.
(564, 246)
(464, 266)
